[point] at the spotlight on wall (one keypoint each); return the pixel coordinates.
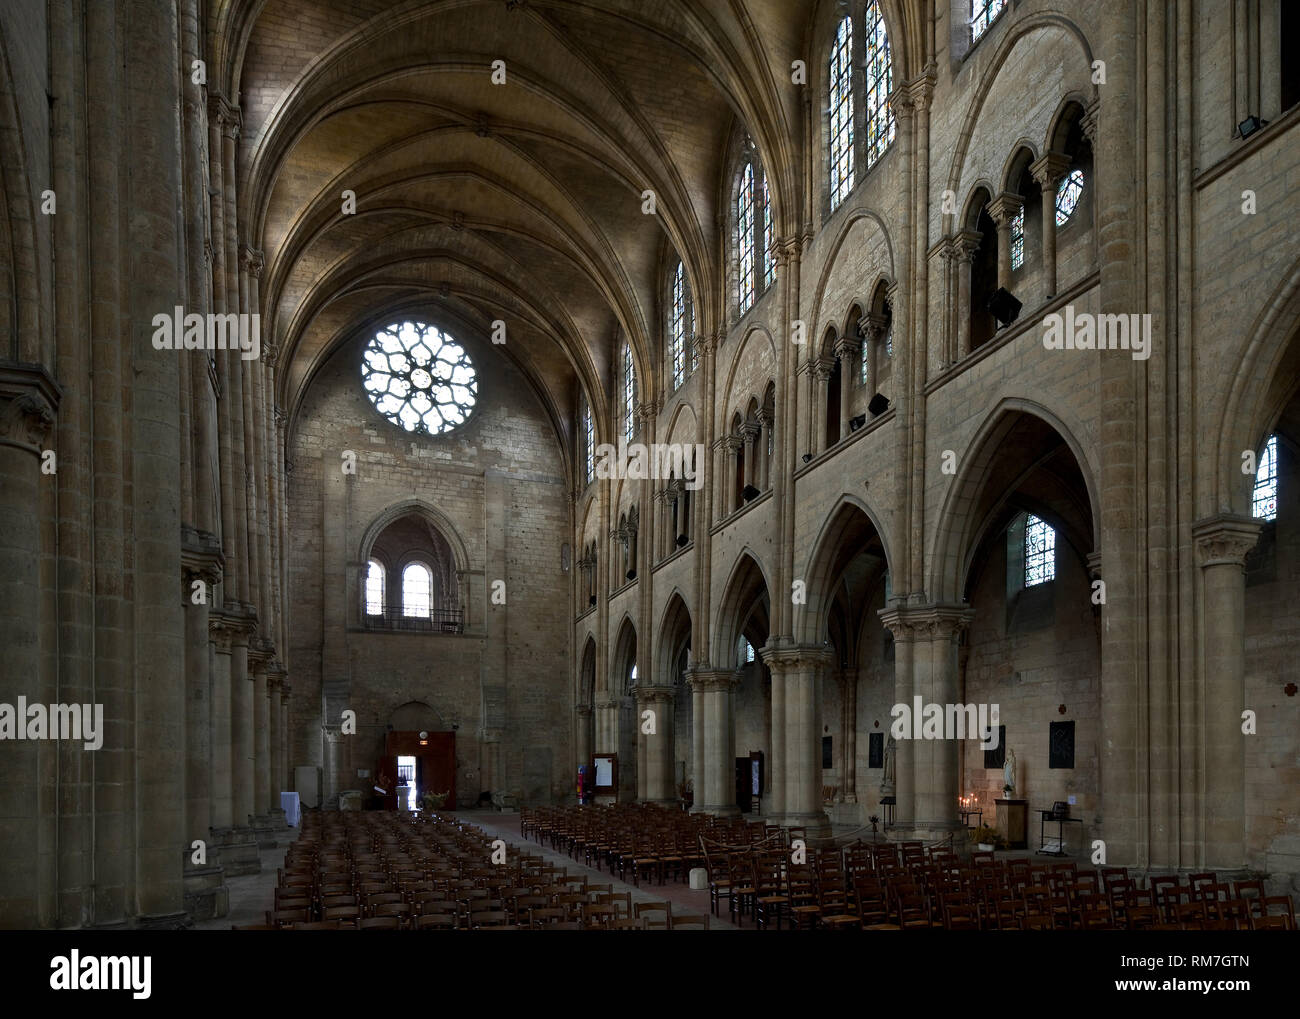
(682, 540)
(1250, 125)
(878, 405)
(857, 422)
(807, 458)
(1004, 307)
(750, 492)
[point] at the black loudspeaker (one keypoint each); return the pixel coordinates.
(878, 405)
(857, 422)
(750, 492)
(1004, 307)
(682, 540)
(631, 574)
(807, 457)
(591, 600)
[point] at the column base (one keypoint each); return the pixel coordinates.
(816, 825)
(237, 851)
(264, 831)
(929, 831)
(724, 810)
(206, 894)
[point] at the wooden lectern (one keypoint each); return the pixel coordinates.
(1013, 822)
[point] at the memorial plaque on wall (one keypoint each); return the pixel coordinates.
(876, 751)
(997, 757)
(827, 756)
(1060, 745)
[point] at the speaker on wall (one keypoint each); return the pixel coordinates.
(750, 492)
(1004, 306)
(878, 405)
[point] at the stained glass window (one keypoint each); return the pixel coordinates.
(841, 111)
(589, 438)
(745, 237)
(629, 393)
(374, 588)
(419, 378)
(1264, 502)
(769, 263)
(982, 14)
(1040, 552)
(746, 651)
(417, 590)
(880, 82)
(1068, 196)
(1018, 239)
(677, 326)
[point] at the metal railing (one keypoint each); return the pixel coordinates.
(438, 621)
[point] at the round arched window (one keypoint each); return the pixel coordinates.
(419, 377)
(1067, 197)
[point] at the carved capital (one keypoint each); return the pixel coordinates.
(821, 368)
(1004, 207)
(872, 327)
(201, 557)
(1225, 540)
(965, 243)
(847, 348)
(655, 695)
(800, 658)
(705, 680)
(926, 622)
(1050, 169)
(29, 398)
(251, 261)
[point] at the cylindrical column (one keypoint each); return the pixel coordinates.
(274, 708)
(930, 634)
(697, 739)
(221, 741)
(847, 352)
(774, 780)
(849, 735)
(802, 669)
(261, 746)
(965, 244)
(1048, 170)
(583, 734)
(1222, 544)
(1003, 210)
(658, 762)
(241, 728)
(201, 558)
(28, 399)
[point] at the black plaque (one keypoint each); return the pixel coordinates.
(876, 750)
(997, 757)
(1060, 745)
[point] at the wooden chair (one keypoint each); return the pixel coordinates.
(597, 916)
(435, 922)
(654, 915)
(489, 918)
(379, 923)
(277, 918)
(699, 921)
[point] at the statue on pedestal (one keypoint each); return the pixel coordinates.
(887, 778)
(1009, 775)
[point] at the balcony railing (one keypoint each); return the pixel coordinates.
(438, 621)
